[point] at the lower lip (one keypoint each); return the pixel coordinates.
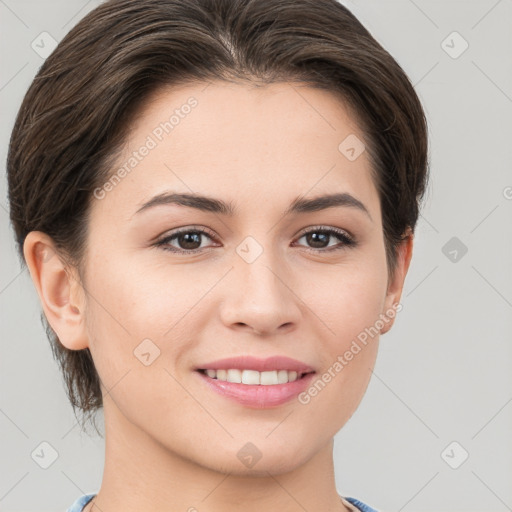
(258, 396)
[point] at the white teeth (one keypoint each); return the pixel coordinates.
(268, 378)
(234, 376)
(250, 377)
(253, 377)
(282, 376)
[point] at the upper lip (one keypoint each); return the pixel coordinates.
(260, 365)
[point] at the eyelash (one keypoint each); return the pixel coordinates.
(347, 240)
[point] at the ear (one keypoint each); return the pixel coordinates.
(59, 288)
(395, 285)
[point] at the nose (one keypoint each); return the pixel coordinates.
(259, 297)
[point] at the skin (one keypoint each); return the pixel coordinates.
(172, 443)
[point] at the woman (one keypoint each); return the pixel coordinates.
(216, 202)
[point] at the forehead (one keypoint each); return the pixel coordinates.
(247, 144)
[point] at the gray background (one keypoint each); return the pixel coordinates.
(443, 372)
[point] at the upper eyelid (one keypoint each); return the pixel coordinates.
(209, 232)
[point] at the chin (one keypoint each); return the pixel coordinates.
(248, 460)
(263, 468)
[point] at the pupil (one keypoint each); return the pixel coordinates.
(315, 237)
(189, 238)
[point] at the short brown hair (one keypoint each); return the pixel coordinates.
(76, 113)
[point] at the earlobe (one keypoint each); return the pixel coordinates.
(395, 286)
(59, 290)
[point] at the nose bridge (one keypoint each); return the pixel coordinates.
(258, 294)
(257, 268)
(260, 278)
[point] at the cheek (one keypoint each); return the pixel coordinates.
(138, 331)
(351, 309)
(130, 313)
(360, 304)
(144, 301)
(348, 300)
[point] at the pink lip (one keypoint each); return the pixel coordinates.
(258, 396)
(261, 365)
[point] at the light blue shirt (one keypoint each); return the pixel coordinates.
(360, 505)
(80, 503)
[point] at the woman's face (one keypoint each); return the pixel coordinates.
(262, 281)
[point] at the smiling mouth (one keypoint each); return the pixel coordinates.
(253, 377)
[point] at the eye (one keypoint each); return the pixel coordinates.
(188, 241)
(321, 236)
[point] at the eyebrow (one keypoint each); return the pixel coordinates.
(210, 204)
